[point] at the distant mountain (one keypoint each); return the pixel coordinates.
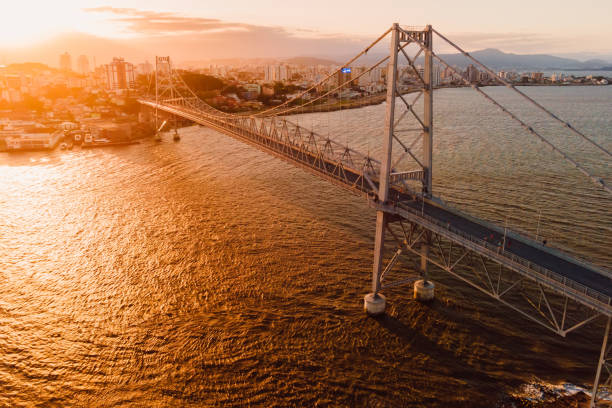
(310, 61)
(498, 60)
(596, 62)
(29, 67)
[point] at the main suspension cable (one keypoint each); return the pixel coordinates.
(532, 101)
(597, 180)
(363, 52)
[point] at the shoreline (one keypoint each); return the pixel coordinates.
(380, 98)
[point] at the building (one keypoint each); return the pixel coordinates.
(472, 74)
(65, 62)
(436, 75)
(484, 77)
(274, 73)
(344, 75)
(119, 75)
(252, 88)
(537, 76)
(145, 68)
(83, 65)
(31, 137)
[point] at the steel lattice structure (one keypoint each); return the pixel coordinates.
(548, 287)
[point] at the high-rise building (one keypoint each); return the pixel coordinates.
(436, 75)
(145, 68)
(119, 75)
(472, 74)
(277, 73)
(83, 65)
(269, 73)
(65, 62)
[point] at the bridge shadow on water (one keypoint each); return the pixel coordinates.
(490, 360)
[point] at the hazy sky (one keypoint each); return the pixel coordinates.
(521, 26)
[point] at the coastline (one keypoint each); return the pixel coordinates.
(381, 97)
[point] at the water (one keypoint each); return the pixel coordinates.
(208, 273)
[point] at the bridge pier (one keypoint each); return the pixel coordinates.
(374, 303)
(424, 288)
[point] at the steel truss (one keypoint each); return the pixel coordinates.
(527, 293)
(542, 296)
(558, 312)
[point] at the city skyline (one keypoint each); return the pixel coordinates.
(236, 29)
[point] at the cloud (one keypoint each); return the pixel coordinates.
(164, 23)
(521, 42)
(188, 37)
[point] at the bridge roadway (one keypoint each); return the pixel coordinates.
(594, 287)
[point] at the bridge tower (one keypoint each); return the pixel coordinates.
(164, 87)
(374, 303)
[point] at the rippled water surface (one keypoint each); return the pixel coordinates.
(206, 272)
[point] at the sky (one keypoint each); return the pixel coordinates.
(244, 28)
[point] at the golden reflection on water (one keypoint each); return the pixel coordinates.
(206, 273)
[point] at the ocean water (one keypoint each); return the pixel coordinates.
(207, 273)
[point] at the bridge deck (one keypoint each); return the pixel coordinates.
(536, 255)
(596, 285)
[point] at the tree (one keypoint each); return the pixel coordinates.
(32, 104)
(200, 82)
(131, 106)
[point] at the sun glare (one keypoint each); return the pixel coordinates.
(25, 23)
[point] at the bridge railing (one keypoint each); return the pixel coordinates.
(550, 275)
(349, 158)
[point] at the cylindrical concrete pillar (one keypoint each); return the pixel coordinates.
(374, 304)
(423, 290)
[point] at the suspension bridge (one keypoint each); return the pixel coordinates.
(545, 285)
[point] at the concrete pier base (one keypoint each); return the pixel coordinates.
(374, 304)
(424, 290)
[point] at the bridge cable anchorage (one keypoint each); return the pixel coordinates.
(597, 180)
(518, 91)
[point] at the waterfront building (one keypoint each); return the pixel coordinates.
(483, 76)
(33, 140)
(537, 76)
(436, 75)
(472, 74)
